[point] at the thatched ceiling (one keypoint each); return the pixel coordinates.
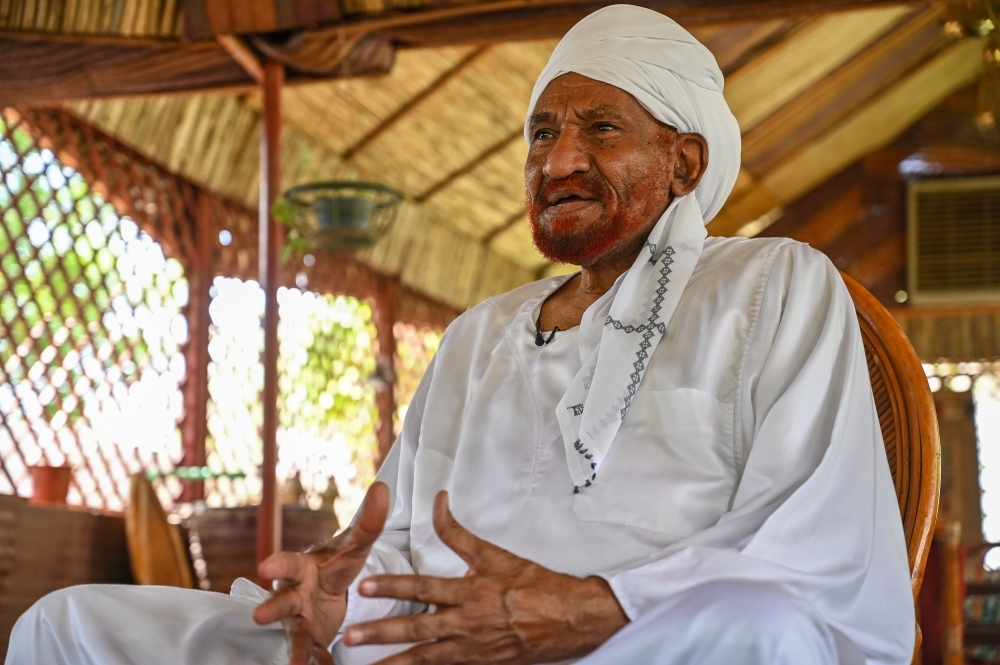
(812, 95)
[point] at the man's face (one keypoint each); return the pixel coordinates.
(599, 171)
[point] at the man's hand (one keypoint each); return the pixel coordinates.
(505, 610)
(311, 599)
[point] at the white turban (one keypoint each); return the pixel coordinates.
(668, 71)
(677, 80)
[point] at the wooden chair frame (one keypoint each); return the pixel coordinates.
(909, 425)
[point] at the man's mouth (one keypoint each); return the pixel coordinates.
(569, 201)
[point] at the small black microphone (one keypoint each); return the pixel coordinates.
(540, 339)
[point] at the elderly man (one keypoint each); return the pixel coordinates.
(669, 457)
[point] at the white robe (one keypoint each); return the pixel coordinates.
(745, 514)
(752, 452)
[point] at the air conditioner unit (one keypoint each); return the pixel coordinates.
(953, 241)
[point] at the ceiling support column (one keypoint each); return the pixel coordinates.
(271, 237)
(385, 395)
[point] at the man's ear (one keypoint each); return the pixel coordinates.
(692, 160)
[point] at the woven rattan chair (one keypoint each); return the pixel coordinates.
(155, 548)
(909, 424)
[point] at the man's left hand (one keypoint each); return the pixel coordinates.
(505, 610)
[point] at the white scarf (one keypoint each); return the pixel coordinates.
(678, 81)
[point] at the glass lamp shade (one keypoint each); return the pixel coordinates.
(342, 216)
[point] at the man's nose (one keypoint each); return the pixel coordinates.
(565, 158)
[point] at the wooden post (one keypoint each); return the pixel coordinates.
(385, 398)
(196, 388)
(949, 538)
(269, 512)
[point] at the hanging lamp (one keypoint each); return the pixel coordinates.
(341, 217)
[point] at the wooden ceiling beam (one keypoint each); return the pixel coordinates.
(452, 24)
(790, 67)
(873, 126)
(831, 222)
(204, 19)
(39, 68)
(10, 35)
(43, 72)
(797, 217)
(888, 257)
(946, 157)
(880, 122)
(474, 56)
(244, 57)
(471, 164)
(733, 44)
(40, 72)
(518, 20)
(831, 99)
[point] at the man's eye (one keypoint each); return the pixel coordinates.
(605, 127)
(543, 134)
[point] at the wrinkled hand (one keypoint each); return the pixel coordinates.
(311, 598)
(505, 610)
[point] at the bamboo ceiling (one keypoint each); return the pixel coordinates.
(812, 94)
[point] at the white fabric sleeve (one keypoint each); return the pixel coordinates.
(815, 509)
(391, 553)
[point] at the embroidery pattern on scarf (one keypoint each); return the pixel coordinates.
(647, 329)
(593, 466)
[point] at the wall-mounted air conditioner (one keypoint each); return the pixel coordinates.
(953, 241)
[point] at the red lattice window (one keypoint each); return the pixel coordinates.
(91, 329)
(92, 324)
(415, 347)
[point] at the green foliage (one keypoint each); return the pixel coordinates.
(324, 365)
(296, 244)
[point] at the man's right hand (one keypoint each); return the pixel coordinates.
(311, 597)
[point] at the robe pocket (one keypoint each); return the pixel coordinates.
(671, 468)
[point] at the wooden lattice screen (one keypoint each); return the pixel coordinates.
(92, 321)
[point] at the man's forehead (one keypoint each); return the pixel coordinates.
(575, 84)
(596, 111)
(584, 97)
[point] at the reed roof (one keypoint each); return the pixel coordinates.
(813, 93)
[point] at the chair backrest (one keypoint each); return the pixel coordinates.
(909, 423)
(155, 548)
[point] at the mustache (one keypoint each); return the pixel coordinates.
(590, 183)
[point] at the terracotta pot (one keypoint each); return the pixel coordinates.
(51, 484)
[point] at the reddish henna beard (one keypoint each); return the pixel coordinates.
(569, 241)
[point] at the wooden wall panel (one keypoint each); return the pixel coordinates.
(858, 220)
(819, 217)
(43, 549)
(973, 335)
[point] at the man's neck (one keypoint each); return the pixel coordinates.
(564, 308)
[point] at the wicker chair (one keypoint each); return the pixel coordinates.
(909, 424)
(155, 548)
